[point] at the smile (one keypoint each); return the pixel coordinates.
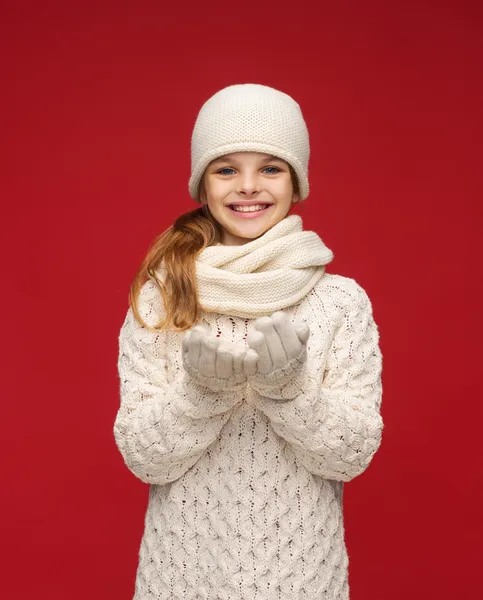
(249, 211)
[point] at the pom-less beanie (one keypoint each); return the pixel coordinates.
(250, 118)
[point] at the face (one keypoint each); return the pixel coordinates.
(247, 193)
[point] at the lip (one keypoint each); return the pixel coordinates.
(248, 202)
(248, 215)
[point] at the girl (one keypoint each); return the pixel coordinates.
(250, 377)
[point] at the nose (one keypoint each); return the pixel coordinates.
(249, 185)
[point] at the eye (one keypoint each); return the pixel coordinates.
(224, 171)
(272, 170)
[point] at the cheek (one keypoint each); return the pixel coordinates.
(217, 189)
(283, 189)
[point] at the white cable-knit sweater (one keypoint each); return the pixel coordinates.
(245, 500)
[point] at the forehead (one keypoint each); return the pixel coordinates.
(247, 156)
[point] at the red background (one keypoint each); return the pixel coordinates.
(98, 104)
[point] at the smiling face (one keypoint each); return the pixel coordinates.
(247, 193)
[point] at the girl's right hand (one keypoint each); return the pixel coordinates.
(214, 363)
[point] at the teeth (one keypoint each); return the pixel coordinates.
(253, 208)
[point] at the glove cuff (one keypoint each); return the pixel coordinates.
(284, 383)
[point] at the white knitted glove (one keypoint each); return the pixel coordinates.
(214, 363)
(281, 347)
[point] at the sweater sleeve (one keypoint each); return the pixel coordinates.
(335, 427)
(162, 428)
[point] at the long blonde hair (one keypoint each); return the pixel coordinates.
(176, 249)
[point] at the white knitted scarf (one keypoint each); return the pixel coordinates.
(257, 278)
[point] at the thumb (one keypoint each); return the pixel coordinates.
(303, 332)
(186, 340)
(203, 327)
(250, 362)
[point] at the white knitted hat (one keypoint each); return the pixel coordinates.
(250, 118)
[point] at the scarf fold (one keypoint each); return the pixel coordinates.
(267, 274)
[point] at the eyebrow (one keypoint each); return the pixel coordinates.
(233, 160)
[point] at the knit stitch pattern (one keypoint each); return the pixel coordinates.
(246, 486)
(264, 275)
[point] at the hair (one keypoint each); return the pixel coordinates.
(176, 250)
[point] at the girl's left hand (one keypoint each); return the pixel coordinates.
(278, 342)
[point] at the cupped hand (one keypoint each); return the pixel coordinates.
(214, 362)
(277, 341)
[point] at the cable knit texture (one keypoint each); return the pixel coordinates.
(246, 487)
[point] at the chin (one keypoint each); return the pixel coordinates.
(250, 233)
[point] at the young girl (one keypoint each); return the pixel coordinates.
(250, 377)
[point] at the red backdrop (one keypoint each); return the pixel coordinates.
(98, 104)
